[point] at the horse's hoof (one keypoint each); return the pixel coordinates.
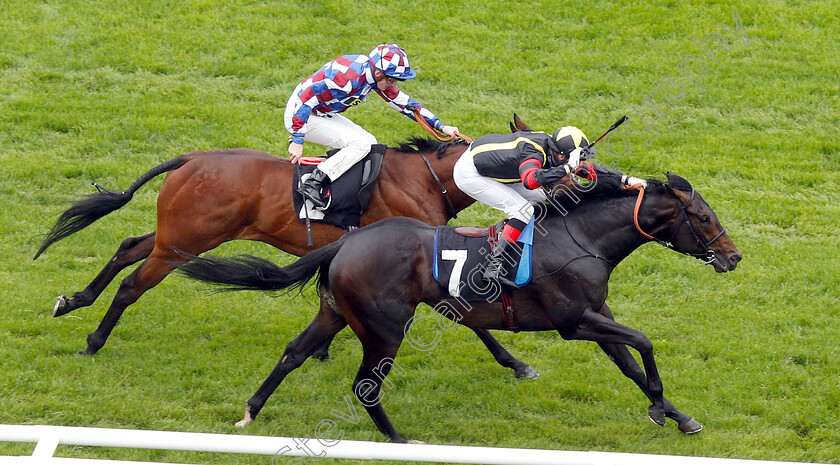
(527, 373)
(690, 426)
(321, 356)
(88, 352)
(657, 416)
(247, 420)
(60, 306)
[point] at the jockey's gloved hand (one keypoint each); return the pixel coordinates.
(574, 158)
(632, 181)
(295, 152)
(449, 130)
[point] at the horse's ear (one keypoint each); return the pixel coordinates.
(678, 182)
(518, 125)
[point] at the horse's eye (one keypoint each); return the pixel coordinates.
(705, 219)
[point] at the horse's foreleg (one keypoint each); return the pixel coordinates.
(521, 369)
(145, 277)
(628, 365)
(325, 325)
(613, 337)
(631, 369)
(131, 251)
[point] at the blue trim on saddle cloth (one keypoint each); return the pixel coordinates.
(523, 271)
(435, 264)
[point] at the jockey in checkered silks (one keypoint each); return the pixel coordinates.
(312, 113)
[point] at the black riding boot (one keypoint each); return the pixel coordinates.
(501, 261)
(311, 189)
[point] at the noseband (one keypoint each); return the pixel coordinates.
(708, 258)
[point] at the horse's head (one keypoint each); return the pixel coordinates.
(698, 232)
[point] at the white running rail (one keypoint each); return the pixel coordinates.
(48, 438)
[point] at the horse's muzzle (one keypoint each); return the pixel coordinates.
(726, 263)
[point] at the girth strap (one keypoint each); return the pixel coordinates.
(510, 312)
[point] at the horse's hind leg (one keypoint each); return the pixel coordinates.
(521, 369)
(377, 361)
(148, 275)
(131, 251)
(323, 352)
(325, 325)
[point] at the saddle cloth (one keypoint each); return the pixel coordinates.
(460, 256)
(349, 194)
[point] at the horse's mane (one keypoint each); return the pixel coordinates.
(427, 144)
(609, 187)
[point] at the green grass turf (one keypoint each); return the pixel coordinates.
(103, 90)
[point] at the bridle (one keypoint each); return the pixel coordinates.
(452, 212)
(709, 256)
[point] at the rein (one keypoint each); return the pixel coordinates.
(708, 259)
(425, 125)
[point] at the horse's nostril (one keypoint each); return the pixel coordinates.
(734, 259)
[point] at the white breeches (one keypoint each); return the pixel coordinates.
(513, 199)
(338, 132)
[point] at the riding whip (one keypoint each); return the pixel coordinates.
(615, 125)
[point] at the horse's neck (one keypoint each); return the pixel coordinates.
(408, 187)
(411, 169)
(605, 227)
(444, 168)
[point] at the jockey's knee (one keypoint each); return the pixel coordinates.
(363, 143)
(523, 213)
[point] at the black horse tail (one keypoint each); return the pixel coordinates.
(247, 272)
(94, 206)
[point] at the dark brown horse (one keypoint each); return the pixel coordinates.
(376, 293)
(209, 198)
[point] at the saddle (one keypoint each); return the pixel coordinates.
(349, 194)
(472, 231)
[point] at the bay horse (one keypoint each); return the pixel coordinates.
(211, 197)
(376, 293)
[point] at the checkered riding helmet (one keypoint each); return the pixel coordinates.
(392, 60)
(567, 139)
